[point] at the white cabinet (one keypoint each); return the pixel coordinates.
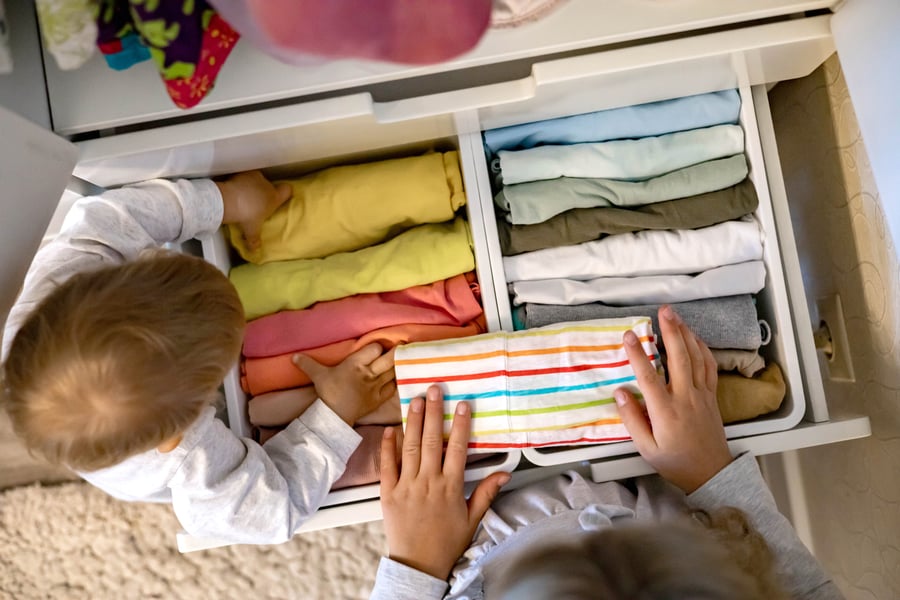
(302, 137)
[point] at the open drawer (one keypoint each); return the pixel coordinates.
(299, 138)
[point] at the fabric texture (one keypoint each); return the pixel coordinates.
(364, 465)
(587, 224)
(678, 252)
(730, 280)
(261, 375)
(188, 41)
(424, 254)
(6, 61)
(69, 30)
(629, 122)
(621, 159)
(729, 322)
(746, 362)
(537, 201)
(117, 37)
(400, 31)
(452, 301)
(513, 13)
(551, 386)
(350, 207)
(742, 398)
(220, 486)
(278, 409)
(556, 509)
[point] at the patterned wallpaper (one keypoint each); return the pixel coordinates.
(853, 488)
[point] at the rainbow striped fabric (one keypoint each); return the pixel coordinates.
(550, 386)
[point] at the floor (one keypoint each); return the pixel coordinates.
(853, 488)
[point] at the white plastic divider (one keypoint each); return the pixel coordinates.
(773, 306)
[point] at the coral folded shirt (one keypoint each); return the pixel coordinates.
(452, 301)
(551, 386)
(261, 375)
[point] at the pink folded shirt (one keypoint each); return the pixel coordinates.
(453, 301)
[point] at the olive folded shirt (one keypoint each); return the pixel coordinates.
(628, 122)
(536, 201)
(350, 207)
(586, 224)
(677, 252)
(452, 301)
(423, 254)
(621, 159)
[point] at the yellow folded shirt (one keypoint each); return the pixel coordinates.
(351, 207)
(424, 254)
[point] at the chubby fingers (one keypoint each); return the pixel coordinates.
(679, 360)
(433, 432)
(698, 364)
(389, 471)
(635, 421)
(648, 380)
(458, 444)
(412, 439)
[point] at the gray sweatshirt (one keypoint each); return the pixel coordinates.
(553, 510)
(220, 486)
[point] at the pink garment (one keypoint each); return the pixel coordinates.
(450, 302)
(364, 465)
(404, 31)
(274, 409)
(261, 375)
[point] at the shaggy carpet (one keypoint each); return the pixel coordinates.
(72, 541)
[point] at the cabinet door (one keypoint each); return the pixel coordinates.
(35, 166)
(868, 44)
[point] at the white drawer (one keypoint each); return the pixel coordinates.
(299, 138)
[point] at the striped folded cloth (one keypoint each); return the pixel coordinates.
(550, 386)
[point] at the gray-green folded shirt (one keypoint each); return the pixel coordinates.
(587, 224)
(537, 201)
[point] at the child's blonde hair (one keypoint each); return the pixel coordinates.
(719, 556)
(118, 360)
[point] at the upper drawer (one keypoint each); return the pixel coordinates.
(309, 133)
(96, 97)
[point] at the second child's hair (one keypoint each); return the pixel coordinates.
(717, 556)
(116, 361)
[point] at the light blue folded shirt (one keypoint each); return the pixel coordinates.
(632, 160)
(643, 120)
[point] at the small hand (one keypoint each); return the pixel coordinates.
(357, 385)
(681, 435)
(427, 520)
(248, 199)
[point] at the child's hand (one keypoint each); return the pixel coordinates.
(427, 520)
(681, 434)
(355, 387)
(249, 199)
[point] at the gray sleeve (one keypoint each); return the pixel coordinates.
(396, 581)
(115, 227)
(742, 486)
(238, 491)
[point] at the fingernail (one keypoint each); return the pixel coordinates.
(462, 408)
(417, 405)
(504, 479)
(433, 394)
(620, 397)
(388, 433)
(670, 314)
(630, 338)
(295, 358)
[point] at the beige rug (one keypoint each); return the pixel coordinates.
(72, 541)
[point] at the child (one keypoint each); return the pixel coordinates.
(114, 353)
(568, 537)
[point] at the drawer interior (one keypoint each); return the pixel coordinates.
(773, 304)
